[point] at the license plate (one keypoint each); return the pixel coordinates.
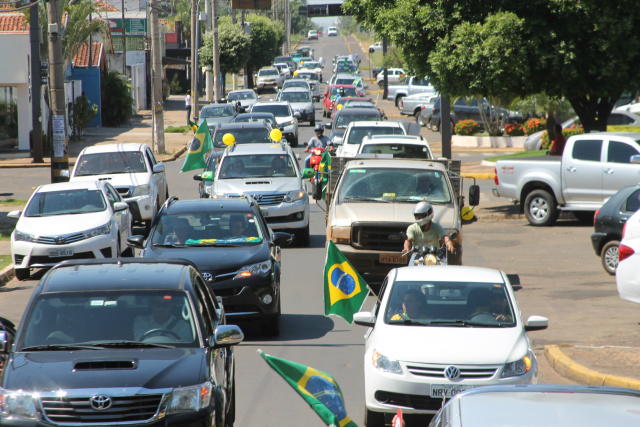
(57, 253)
(439, 391)
(265, 212)
(393, 259)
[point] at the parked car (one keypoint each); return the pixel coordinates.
(394, 76)
(121, 342)
(230, 243)
(609, 222)
(534, 141)
(268, 78)
(397, 147)
(329, 97)
(461, 109)
(332, 32)
(375, 47)
(413, 105)
(134, 172)
(244, 98)
(69, 220)
(628, 271)
(312, 35)
(348, 145)
(287, 119)
(216, 114)
(414, 358)
(301, 101)
(538, 405)
(411, 85)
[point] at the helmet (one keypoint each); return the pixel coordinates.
(319, 128)
(423, 208)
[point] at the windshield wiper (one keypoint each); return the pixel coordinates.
(131, 344)
(409, 322)
(59, 347)
(368, 199)
(459, 322)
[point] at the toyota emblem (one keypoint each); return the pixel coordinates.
(257, 197)
(100, 402)
(60, 240)
(207, 276)
(452, 372)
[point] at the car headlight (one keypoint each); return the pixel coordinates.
(258, 269)
(98, 231)
(341, 235)
(141, 190)
(24, 237)
(188, 399)
(288, 123)
(517, 368)
(294, 196)
(384, 364)
(19, 405)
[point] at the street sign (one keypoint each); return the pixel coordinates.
(317, 10)
(251, 4)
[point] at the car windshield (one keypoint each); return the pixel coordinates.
(449, 304)
(400, 185)
(206, 229)
(343, 120)
(346, 81)
(311, 65)
(284, 58)
(296, 55)
(295, 96)
(269, 72)
(348, 91)
(296, 83)
(65, 202)
(257, 166)
(306, 76)
(238, 96)
(277, 110)
(222, 111)
(402, 151)
(135, 318)
(357, 133)
(359, 105)
(242, 136)
(111, 163)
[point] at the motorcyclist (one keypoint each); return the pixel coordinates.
(425, 232)
(318, 141)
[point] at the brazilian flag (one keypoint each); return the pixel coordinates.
(193, 126)
(344, 289)
(200, 145)
(325, 169)
(318, 389)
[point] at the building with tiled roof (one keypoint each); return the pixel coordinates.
(13, 23)
(102, 6)
(81, 58)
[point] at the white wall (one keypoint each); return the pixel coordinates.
(15, 72)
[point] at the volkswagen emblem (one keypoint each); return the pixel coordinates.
(60, 240)
(257, 197)
(100, 402)
(452, 372)
(207, 276)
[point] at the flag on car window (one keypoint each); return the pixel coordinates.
(325, 169)
(200, 145)
(318, 389)
(344, 289)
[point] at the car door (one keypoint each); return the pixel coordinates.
(618, 170)
(581, 171)
(122, 218)
(158, 181)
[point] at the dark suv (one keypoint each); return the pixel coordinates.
(230, 243)
(121, 342)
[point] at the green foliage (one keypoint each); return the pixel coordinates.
(539, 104)
(300, 24)
(233, 43)
(267, 38)
(116, 107)
(174, 85)
(82, 113)
(180, 129)
(466, 127)
(347, 25)
(546, 143)
(517, 155)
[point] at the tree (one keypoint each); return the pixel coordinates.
(267, 37)
(233, 44)
(587, 52)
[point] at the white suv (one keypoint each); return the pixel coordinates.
(271, 175)
(356, 131)
(332, 32)
(133, 170)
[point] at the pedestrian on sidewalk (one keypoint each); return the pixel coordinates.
(187, 104)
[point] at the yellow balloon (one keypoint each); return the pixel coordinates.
(295, 73)
(301, 62)
(228, 139)
(340, 106)
(276, 135)
(467, 213)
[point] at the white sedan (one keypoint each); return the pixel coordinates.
(69, 220)
(628, 272)
(439, 330)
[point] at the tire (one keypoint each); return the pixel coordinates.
(609, 257)
(294, 143)
(540, 208)
(303, 237)
(435, 127)
(312, 122)
(22, 273)
(381, 84)
(419, 121)
(373, 419)
(398, 101)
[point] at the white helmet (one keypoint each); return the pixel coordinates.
(423, 208)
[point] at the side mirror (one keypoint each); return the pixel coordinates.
(197, 177)
(364, 318)
(280, 238)
(536, 323)
(337, 140)
(308, 173)
(206, 176)
(474, 195)
(159, 168)
(297, 115)
(226, 336)
(136, 242)
(14, 214)
(120, 206)
(452, 236)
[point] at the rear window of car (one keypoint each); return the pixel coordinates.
(224, 111)
(242, 136)
(276, 110)
(402, 151)
(236, 96)
(295, 97)
(357, 133)
(111, 163)
(343, 120)
(269, 72)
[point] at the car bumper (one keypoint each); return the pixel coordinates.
(628, 277)
(264, 85)
(243, 298)
(36, 255)
(141, 207)
(287, 216)
(596, 241)
(306, 115)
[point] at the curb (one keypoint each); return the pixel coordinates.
(572, 370)
(6, 275)
(478, 175)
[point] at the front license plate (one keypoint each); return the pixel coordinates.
(265, 212)
(57, 253)
(439, 391)
(393, 259)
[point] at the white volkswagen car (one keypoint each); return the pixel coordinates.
(439, 330)
(69, 220)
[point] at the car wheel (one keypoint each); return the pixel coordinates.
(22, 273)
(435, 127)
(381, 84)
(312, 122)
(373, 419)
(294, 143)
(303, 237)
(540, 208)
(609, 257)
(271, 327)
(419, 121)
(398, 99)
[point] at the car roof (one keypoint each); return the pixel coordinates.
(257, 114)
(598, 135)
(394, 139)
(240, 91)
(208, 205)
(449, 273)
(271, 103)
(257, 149)
(71, 185)
(112, 148)
(358, 112)
(115, 274)
(376, 123)
(295, 89)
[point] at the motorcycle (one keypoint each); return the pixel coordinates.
(314, 163)
(7, 337)
(429, 254)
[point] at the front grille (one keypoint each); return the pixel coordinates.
(67, 410)
(270, 199)
(57, 240)
(47, 260)
(415, 401)
(437, 371)
(381, 236)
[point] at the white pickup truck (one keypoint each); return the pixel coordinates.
(591, 169)
(413, 85)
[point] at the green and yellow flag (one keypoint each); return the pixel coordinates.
(344, 289)
(201, 144)
(318, 389)
(193, 126)
(324, 167)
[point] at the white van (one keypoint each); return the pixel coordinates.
(333, 31)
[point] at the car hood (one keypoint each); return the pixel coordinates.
(208, 258)
(117, 180)
(153, 369)
(348, 150)
(257, 185)
(459, 345)
(401, 212)
(62, 224)
(247, 102)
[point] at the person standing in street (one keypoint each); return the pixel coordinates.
(187, 104)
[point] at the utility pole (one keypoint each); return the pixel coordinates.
(36, 76)
(208, 74)
(60, 156)
(216, 53)
(124, 44)
(194, 65)
(156, 80)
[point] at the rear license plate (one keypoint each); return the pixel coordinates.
(57, 253)
(439, 391)
(393, 259)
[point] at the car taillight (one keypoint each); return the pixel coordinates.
(624, 227)
(422, 107)
(624, 252)
(595, 216)
(495, 176)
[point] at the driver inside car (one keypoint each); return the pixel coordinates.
(162, 321)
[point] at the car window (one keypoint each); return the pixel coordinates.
(402, 151)
(587, 150)
(205, 229)
(223, 111)
(237, 96)
(343, 120)
(268, 72)
(295, 96)
(151, 157)
(111, 163)
(112, 194)
(633, 202)
(257, 166)
(242, 136)
(619, 152)
(65, 202)
(357, 133)
(348, 91)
